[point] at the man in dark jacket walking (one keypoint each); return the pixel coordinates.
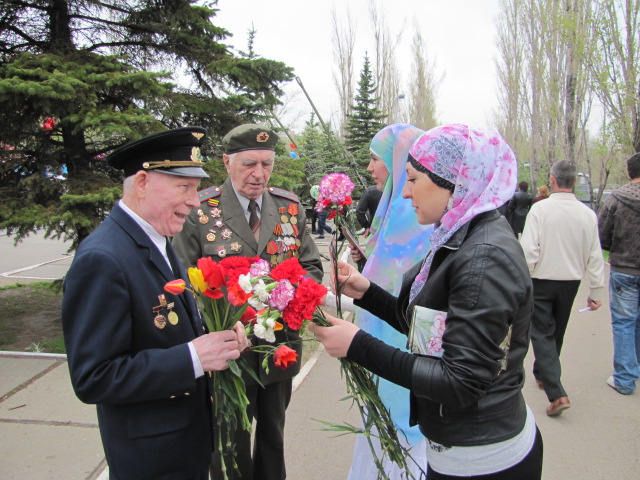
(619, 229)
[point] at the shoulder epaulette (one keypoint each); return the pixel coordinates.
(283, 193)
(209, 192)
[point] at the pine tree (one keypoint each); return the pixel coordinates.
(79, 78)
(365, 120)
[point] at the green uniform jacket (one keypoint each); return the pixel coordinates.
(219, 228)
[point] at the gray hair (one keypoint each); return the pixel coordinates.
(565, 173)
(127, 184)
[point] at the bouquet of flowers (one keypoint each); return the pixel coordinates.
(246, 289)
(335, 194)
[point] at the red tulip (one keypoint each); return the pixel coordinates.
(284, 356)
(175, 286)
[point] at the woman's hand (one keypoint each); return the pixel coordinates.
(352, 282)
(337, 338)
(355, 253)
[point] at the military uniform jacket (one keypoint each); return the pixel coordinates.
(219, 228)
(154, 416)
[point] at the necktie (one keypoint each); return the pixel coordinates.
(254, 221)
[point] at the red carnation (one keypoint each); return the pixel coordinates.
(236, 266)
(288, 270)
(309, 295)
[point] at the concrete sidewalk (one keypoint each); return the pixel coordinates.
(47, 433)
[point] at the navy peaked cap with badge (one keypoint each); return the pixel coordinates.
(175, 152)
(249, 137)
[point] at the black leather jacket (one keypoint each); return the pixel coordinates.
(480, 278)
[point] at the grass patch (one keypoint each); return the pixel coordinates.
(30, 318)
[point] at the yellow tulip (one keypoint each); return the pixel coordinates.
(197, 280)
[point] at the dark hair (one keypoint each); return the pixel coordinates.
(565, 173)
(633, 166)
(524, 186)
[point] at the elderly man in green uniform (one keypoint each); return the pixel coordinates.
(245, 217)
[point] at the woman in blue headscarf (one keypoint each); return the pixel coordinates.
(397, 241)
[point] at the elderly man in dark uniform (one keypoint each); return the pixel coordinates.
(141, 354)
(245, 217)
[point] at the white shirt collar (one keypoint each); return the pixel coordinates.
(157, 239)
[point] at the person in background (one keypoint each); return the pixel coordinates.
(466, 393)
(619, 229)
(245, 217)
(314, 216)
(322, 224)
(519, 206)
(543, 192)
(560, 243)
(366, 209)
(397, 241)
(141, 354)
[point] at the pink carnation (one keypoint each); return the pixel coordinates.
(335, 187)
(260, 268)
(282, 295)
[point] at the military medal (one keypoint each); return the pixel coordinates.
(211, 236)
(204, 219)
(294, 220)
(226, 234)
(219, 223)
(215, 212)
(160, 321)
(172, 316)
(222, 252)
(236, 246)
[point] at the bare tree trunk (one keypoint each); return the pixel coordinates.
(343, 46)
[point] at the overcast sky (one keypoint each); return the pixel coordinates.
(460, 36)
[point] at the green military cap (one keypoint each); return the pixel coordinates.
(249, 137)
(175, 152)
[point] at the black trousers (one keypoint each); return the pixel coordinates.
(553, 300)
(267, 406)
(529, 468)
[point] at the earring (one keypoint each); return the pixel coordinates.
(450, 203)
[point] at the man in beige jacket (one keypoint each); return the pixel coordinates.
(560, 242)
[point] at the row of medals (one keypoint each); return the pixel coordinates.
(287, 243)
(160, 320)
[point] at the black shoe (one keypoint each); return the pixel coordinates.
(320, 236)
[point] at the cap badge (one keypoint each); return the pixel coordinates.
(195, 154)
(262, 137)
(197, 135)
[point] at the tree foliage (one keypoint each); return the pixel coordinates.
(365, 120)
(80, 77)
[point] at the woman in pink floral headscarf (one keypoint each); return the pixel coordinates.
(467, 397)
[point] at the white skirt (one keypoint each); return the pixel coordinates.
(364, 468)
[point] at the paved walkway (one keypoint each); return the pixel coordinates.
(46, 433)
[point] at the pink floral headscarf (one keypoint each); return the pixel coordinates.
(482, 168)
